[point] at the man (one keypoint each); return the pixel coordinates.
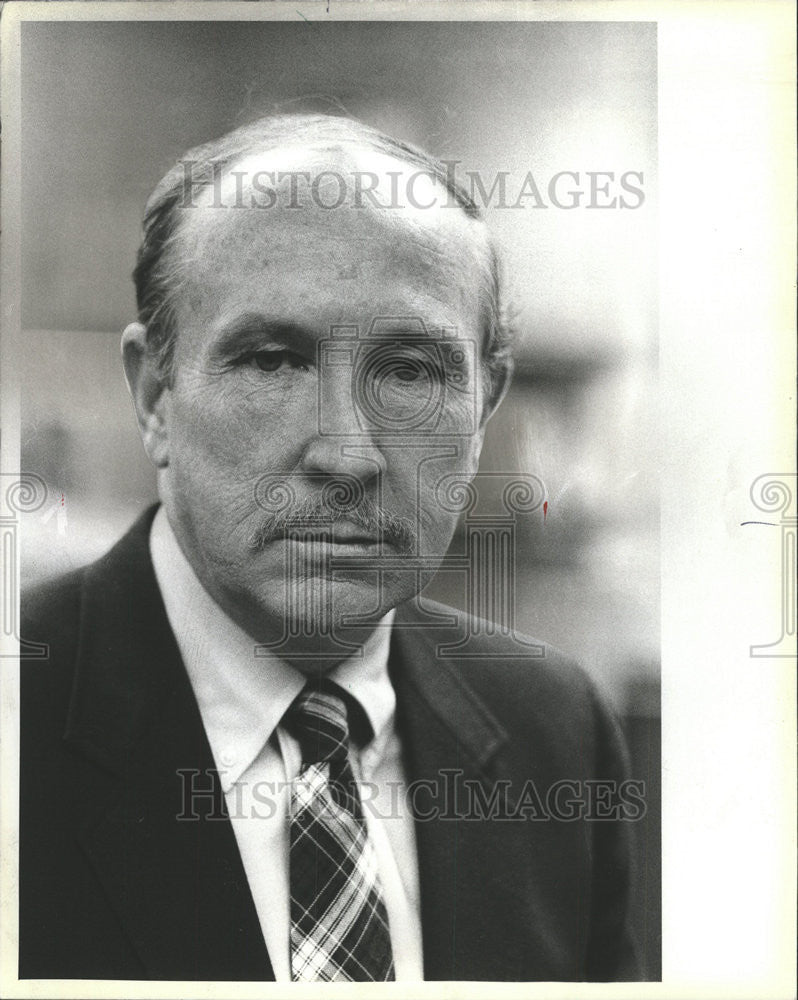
(252, 753)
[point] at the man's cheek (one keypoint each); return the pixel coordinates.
(267, 433)
(221, 437)
(436, 524)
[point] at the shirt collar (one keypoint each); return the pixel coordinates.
(365, 677)
(241, 696)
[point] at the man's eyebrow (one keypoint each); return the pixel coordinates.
(251, 329)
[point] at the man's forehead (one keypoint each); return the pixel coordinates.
(266, 211)
(320, 175)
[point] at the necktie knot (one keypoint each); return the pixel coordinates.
(317, 719)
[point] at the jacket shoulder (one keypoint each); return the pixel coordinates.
(534, 691)
(490, 657)
(50, 612)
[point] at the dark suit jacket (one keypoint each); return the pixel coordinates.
(113, 885)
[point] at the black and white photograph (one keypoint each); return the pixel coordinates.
(347, 433)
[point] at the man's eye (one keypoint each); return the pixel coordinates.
(412, 370)
(274, 361)
(407, 371)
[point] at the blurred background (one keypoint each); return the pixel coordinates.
(107, 108)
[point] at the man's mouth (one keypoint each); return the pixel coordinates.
(344, 533)
(367, 528)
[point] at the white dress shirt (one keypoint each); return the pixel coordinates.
(242, 699)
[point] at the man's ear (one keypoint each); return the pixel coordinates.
(147, 387)
(501, 377)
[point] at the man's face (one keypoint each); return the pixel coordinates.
(273, 403)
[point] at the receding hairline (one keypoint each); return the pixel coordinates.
(352, 162)
(302, 131)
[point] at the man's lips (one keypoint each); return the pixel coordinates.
(368, 528)
(337, 533)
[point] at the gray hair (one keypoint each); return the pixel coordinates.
(154, 277)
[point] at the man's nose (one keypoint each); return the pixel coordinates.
(341, 443)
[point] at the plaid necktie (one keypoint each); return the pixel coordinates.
(339, 925)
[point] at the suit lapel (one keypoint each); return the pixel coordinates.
(478, 904)
(169, 863)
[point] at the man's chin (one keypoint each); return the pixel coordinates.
(317, 609)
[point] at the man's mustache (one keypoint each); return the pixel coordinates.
(317, 512)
